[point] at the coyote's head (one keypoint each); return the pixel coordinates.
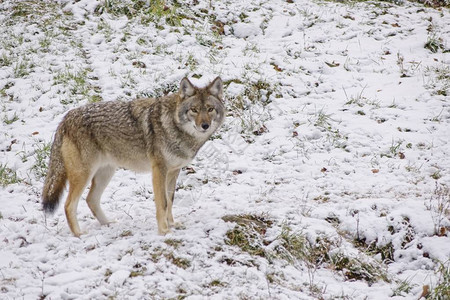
(200, 110)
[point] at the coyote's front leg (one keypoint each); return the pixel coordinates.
(160, 192)
(171, 186)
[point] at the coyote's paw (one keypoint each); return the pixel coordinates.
(78, 234)
(178, 225)
(164, 231)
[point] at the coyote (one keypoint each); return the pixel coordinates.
(159, 135)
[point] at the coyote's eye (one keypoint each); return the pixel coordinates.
(194, 110)
(211, 109)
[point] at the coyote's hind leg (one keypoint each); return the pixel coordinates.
(98, 185)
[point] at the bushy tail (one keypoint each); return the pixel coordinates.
(56, 176)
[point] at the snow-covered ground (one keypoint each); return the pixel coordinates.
(338, 133)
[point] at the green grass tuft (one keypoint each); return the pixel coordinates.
(249, 233)
(7, 176)
(180, 262)
(175, 243)
(147, 11)
(293, 247)
(41, 156)
(354, 268)
(442, 289)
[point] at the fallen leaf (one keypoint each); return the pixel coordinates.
(276, 67)
(190, 170)
(425, 292)
(260, 131)
(332, 64)
(139, 64)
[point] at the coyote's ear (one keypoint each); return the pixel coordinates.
(216, 88)
(186, 88)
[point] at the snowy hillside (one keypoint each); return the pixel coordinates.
(330, 178)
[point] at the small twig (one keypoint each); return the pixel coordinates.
(128, 213)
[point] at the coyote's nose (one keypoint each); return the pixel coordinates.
(205, 126)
